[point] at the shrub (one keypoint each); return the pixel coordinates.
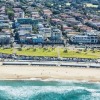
(65, 51)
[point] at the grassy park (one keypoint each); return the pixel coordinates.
(53, 52)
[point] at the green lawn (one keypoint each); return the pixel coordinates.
(7, 51)
(38, 52)
(53, 52)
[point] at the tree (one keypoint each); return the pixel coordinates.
(34, 49)
(35, 30)
(56, 12)
(85, 49)
(16, 36)
(10, 15)
(65, 51)
(92, 49)
(21, 45)
(44, 49)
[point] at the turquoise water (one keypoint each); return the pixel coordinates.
(49, 90)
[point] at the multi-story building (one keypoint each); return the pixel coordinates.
(25, 27)
(56, 34)
(5, 38)
(85, 39)
(46, 32)
(30, 38)
(27, 21)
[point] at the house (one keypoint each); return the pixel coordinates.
(65, 27)
(84, 28)
(18, 13)
(47, 12)
(30, 9)
(3, 17)
(35, 14)
(94, 22)
(55, 21)
(2, 10)
(72, 21)
(5, 24)
(40, 25)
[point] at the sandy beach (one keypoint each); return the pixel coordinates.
(67, 73)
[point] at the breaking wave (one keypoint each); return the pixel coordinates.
(49, 90)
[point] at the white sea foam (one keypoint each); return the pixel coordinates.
(27, 91)
(96, 94)
(57, 80)
(62, 80)
(61, 87)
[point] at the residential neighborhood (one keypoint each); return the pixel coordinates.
(36, 22)
(70, 26)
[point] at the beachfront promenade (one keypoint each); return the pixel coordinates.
(53, 63)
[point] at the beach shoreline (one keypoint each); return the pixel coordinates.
(45, 73)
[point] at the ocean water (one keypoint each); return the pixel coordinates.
(49, 90)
